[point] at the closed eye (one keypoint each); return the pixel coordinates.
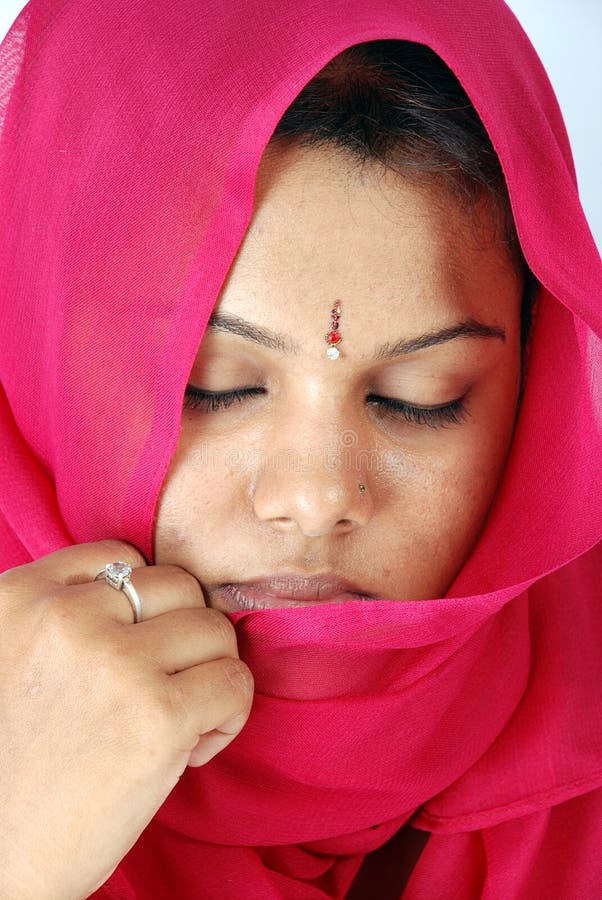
(212, 401)
(453, 413)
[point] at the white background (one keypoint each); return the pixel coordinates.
(567, 34)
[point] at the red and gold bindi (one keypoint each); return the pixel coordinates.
(333, 338)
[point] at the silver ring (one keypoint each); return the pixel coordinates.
(117, 574)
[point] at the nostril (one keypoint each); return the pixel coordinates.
(341, 525)
(344, 524)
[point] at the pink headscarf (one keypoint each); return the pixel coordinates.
(130, 135)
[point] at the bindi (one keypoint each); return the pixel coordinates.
(333, 337)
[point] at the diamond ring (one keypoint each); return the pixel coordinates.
(117, 574)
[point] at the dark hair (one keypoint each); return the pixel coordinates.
(398, 103)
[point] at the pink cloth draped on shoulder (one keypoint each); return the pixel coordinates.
(130, 135)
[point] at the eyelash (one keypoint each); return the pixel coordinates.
(437, 417)
(452, 413)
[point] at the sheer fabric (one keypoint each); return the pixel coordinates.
(130, 135)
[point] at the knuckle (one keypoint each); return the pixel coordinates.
(151, 724)
(221, 630)
(238, 676)
(187, 585)
(158, 713)
(25, 581)
(16, 579)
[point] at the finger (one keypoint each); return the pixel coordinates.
(210, 744)
(213, 696)
(160, 589)
(81, 563)
(185, 638)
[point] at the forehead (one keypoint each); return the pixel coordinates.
(326, 227)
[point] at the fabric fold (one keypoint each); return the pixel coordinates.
(129, 145)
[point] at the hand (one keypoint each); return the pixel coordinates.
(99, 716)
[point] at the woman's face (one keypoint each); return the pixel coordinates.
(320, 467)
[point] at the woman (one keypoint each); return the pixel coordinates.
(308, 245)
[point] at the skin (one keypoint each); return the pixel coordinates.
(403, 259)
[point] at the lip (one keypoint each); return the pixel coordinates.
(289, 589)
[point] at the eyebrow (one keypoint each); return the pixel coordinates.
(283, 344)
(257, 334)
(467, 328)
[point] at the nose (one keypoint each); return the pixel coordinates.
(318, 492)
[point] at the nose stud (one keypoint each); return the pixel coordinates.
(333, 337)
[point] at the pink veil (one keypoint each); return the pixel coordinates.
(130, 134)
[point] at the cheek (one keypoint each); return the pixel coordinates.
(201, 493)
(441, 497)
(463, 479)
